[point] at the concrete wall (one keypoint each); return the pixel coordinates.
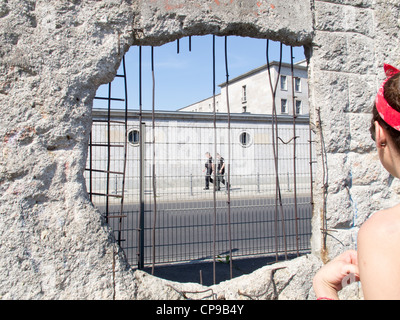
(54, 55)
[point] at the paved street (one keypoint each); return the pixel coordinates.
(185, 231)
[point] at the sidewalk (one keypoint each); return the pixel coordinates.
(198, 193)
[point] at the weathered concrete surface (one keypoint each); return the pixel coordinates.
(166, 20)
(53, 57)
(345, 72)
(284, 280)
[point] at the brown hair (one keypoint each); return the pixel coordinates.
(391, 93)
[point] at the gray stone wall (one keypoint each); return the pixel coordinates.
(53, 57)
(352, 41)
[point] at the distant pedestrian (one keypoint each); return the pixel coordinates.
(220, 171)
(209, 169)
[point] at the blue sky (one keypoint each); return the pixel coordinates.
(185, 78)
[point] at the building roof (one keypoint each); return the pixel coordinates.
(197, 116)
(299, 65)
(216, 95)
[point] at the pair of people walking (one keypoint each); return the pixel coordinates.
(210, 168)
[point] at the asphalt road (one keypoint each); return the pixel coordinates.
(186, 232)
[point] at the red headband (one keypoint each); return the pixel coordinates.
(387, 113)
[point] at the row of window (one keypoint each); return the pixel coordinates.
(284, 102)
(134, 138)
(284, 106)
(297, 83)
(283, 82)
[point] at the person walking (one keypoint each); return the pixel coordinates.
(209, 169)
(220, 171)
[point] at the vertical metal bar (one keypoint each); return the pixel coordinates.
(215, 154)
(154, 165)
(141, 187)
(278, 187)
(273, 89)
(275, 142)
(91, 165)
(228, 160)
(141, 171)
(311, 166)
(125, 152)
(294, 153)
(191, 184)
(190, 43)
(325, 179)
(113, 272)
(108, 151)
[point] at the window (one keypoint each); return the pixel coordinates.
(244, 93)
(284, 106)
(134, 137)
(297, 84)
(298, 106)
(245, 139)
(283, 82)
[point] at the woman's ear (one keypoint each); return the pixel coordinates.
(380, 136)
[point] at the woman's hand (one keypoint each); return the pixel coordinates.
(336, 274)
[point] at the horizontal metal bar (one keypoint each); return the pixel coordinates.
(111, 99)
(103, 171)
(105, 145)
(105, 195)
(123, 216)
(106, 121)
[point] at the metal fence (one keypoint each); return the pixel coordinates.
(145, 174)
(184, 210)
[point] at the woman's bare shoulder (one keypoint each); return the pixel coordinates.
(379, 255)
(383, 224)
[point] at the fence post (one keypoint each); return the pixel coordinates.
(191, 184)
(142, 142)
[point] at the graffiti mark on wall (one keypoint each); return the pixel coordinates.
(223, 2)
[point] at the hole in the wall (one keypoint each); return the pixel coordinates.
(134, 137)
(245, 139)
(165, 175)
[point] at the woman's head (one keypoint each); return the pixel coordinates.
(391, 93)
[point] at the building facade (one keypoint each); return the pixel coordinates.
(251, 92)
(179, 141)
